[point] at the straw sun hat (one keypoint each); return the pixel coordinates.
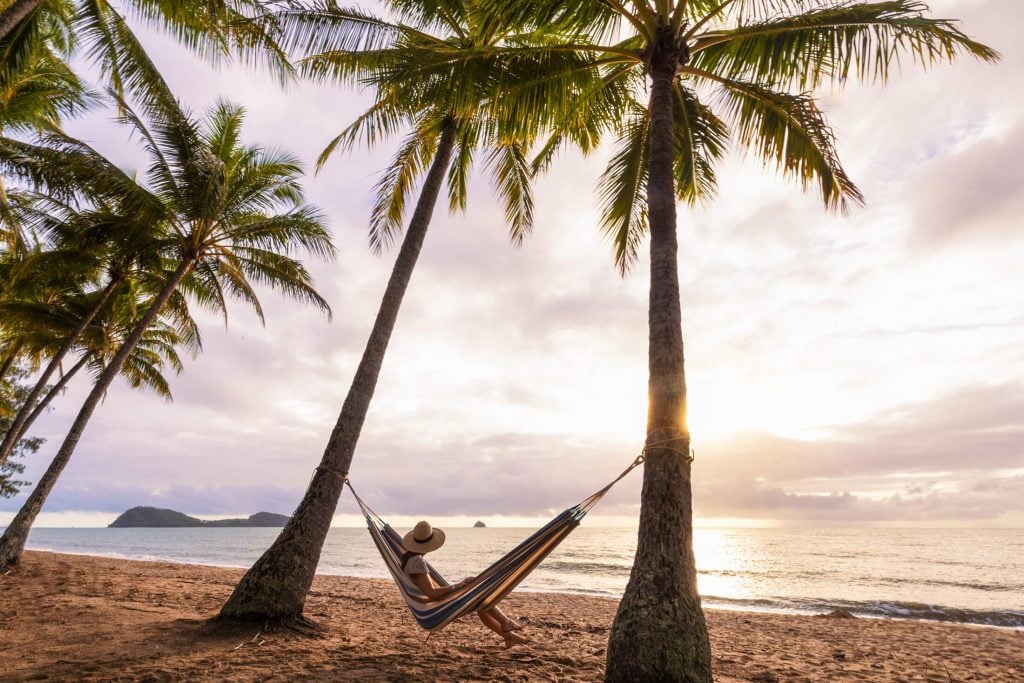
(423, 538)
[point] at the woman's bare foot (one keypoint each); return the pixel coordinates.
(512, 639)
(510, 625)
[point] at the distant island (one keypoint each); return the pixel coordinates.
(143, 516)
(479, 525)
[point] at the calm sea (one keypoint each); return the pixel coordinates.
(968, 576)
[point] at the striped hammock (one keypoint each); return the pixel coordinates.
(493, 583)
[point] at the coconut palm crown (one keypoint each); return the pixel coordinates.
(486, 113)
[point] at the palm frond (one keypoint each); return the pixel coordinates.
(284, 274)
(398, 181)
(302, 229)
(219, 29)
(69, 170)
(512, 174)
(832, 43)
(790, 132)
(232, 277)
(114, 48)
(203, 286)
(703, 13)
(40, 91)
(622, 190)
(323, 27)
(460, 168)
(700, 139)
(599, 20)
(380, 121)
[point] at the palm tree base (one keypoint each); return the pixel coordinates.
(300, 624)
(12, 543)
(658, 641)
(265, 597)
(275, 587)
(659, 632)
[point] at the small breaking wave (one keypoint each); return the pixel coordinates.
(885, 609)
(593, 568)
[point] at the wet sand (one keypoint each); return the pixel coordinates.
(66, 617)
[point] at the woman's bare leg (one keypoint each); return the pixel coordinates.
(493, 623)
(490, 622)
(507, 623)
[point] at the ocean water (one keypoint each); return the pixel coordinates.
(966, 576)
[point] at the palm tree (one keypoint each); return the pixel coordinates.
(40, 329)
(350, 46)
(105, 246)
(143, 368)
(102, 338)
(24, 418)
(94, 325)
(46, 327)
(713, 70)
(232, 215)
(37, 91)
(215, 29)
(30, 282)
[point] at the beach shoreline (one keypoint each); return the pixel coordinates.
(86, 617)
(922, 612)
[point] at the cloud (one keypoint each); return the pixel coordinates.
(986, 501)
(955, 458)
(211, 499)
(973, 194)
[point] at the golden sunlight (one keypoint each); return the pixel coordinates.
(731, 405)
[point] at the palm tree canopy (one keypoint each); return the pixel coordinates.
(236, 210)
(214, 29)
(233, 212)
(42, 327)
(41, 92)
(496, 112)
(37, 90)
(157, 349)
(745, 71)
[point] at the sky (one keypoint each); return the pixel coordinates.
(857, 370)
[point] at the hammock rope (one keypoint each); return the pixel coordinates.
(490, 585)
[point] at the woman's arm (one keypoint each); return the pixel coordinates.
(430, 590)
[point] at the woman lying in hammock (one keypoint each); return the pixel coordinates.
(421, 541)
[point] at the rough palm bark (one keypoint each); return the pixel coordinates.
(15, 14)
(659, 631)
(275, 588)
(12, 543)
(18, 426)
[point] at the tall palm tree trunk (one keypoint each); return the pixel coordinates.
(275, 587)
(15, 14)
(12, 543)
(18, 425)
(56, 389)
(659, 632)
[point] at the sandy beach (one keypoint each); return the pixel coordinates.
(67, 617)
